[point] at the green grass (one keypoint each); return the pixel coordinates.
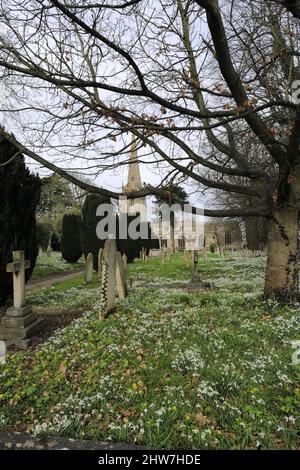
(154, 269)
(168, 369)
(47, 266)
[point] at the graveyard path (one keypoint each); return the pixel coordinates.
(12, 441)
(49, 281)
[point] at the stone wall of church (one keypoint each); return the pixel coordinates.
(226, 234)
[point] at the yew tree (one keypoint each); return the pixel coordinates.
(193, 80)
(20, 192)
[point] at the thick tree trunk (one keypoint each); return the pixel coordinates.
(281, 281)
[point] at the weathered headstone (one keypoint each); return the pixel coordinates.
(196, 275)
(163, 256)
(108, 279)
(49, 251)
(186, 258)
(154, 253)
(125, 261)
(3, 351)
(204, 255)
(40, 251)
(143, 254)
(120, 277)
(100, 256)
(19, 323)
(88, 277)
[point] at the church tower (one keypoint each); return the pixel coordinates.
(134, 182)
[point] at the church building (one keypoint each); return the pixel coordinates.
(226, 234)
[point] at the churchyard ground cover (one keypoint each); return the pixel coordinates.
(168, 369)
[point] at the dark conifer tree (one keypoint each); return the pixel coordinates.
(20, 192)
(70, 243)
(89, 240)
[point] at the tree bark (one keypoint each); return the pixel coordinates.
(281, 281)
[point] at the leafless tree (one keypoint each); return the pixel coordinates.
(188, 78)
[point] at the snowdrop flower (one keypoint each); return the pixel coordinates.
(290, 419)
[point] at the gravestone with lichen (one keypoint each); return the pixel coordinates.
(108, 278)
(19, 323)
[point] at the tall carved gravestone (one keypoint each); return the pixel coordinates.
(19, 323)
(100, 256)
(108, 279)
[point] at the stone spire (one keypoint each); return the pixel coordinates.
(134, 182)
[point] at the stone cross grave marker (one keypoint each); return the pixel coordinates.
(120, 277)
(19, 323)
(2, 352)
(108, 280)
(17, 267)
(89, 268)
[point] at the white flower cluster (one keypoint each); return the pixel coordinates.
(72, 413)
(72, 298)
(2, 421)
(205, 389)
(189, 360)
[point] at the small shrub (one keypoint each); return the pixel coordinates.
(213, 248)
